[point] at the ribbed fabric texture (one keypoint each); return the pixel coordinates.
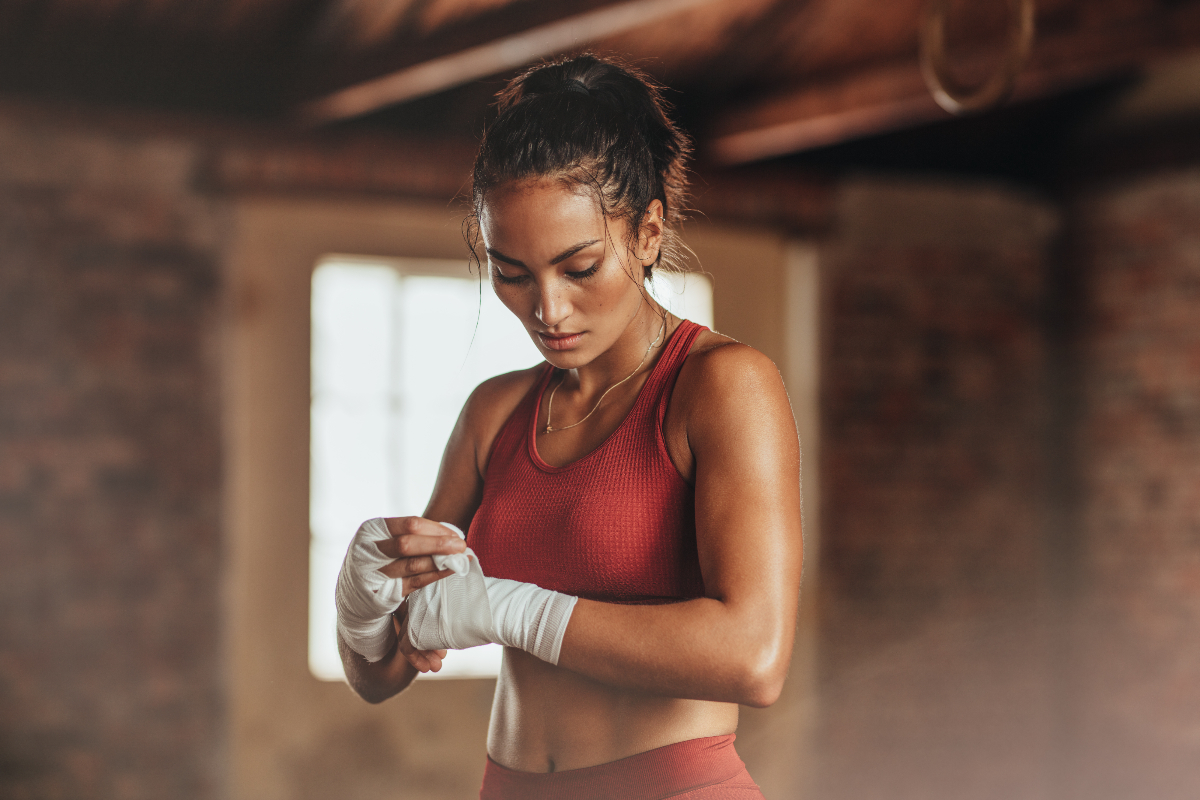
(618, 525)
(698, 769)
(551, 627)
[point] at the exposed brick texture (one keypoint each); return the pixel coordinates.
(1010, 574)
(110, 656)
(1136, 652)
(934, 679)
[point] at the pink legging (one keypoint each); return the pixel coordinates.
(698, 769)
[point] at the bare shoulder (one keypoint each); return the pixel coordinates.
(510, 386)
(494, 400)
(729, 400)
(492, 403)
(720, 370)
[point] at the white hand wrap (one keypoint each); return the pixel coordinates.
(468, 610)
(366, 597)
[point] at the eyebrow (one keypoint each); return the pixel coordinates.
(558, 259)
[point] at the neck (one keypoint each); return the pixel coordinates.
(636, 344)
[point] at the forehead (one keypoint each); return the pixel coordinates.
(539, 214)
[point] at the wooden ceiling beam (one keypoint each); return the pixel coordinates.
(894, 96)
(415, 167)
(795, 201)
(490, 56)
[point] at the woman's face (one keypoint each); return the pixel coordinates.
(571, 280)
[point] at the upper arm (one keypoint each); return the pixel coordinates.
(459, 486)
(743, 437)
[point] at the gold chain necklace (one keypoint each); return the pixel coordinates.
(550, 402)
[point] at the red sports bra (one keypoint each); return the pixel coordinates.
(618, 525)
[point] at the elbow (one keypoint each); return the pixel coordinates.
(374, 699)
(761, 691)
(364, 689)
(762, 678)
(368, 680)
(368, 693)
(374, 692)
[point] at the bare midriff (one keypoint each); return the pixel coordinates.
(548, 719)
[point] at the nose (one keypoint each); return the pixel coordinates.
(552, 307)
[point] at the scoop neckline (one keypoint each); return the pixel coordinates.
(536, 457)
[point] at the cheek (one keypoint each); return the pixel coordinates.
(514, 298)
(618, 294)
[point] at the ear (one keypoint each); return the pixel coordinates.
(650, 234)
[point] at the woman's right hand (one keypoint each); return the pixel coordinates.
(414, 543)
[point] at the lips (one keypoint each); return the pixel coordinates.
(560, 341)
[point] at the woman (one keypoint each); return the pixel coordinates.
(646, 476)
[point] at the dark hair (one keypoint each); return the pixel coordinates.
(590, 122)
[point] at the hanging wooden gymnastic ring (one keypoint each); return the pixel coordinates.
(956, 99)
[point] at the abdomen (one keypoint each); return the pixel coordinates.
(547, 718)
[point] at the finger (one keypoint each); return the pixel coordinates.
(420, 545)
(428, 660)
(424, 579)
(410, 545)
(407, 648)
(408, 567)
(422, 660)
(417, 658)
(433, 658)
(416, 526)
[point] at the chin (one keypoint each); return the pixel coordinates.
(570, 359)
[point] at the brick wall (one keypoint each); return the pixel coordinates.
(934, 680)
(1135, 694)
(109, 468)
(1011, 493)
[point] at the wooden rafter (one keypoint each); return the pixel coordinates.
(893, 96)
(488, 57)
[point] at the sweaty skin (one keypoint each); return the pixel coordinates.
(630, 678)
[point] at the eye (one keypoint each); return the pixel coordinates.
(502, 278)
(587, 273)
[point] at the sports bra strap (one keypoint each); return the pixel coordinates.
(668, 372)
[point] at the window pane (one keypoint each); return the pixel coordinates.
(351, 352)
(395, 353)
(688, 295)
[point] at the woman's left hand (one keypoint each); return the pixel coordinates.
(421, 660)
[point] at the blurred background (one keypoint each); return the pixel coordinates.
(989, 326)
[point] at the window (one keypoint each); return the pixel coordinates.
(397, 345)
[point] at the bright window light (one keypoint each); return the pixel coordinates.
(396, 350)
(687, 295)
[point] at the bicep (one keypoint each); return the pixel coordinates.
(747, 455)
(459, 486)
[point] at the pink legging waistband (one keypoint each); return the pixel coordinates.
(698, 769)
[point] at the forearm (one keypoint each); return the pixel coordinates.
(376, 682)
(703, 649)
(707, 648)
